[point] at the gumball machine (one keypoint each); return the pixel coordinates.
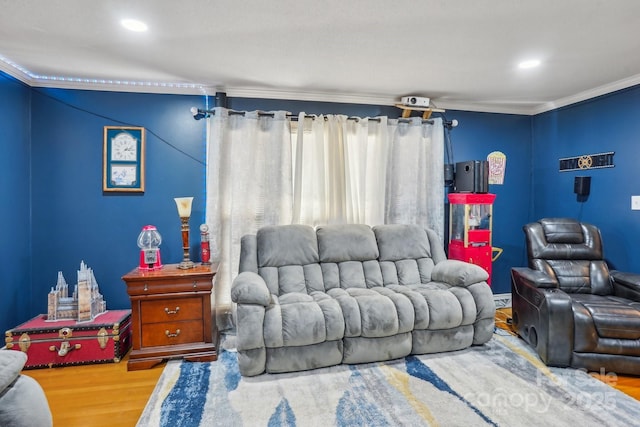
(149, 241)
(470, 228)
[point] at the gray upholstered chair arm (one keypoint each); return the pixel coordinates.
(22, 400)
(11, 364)
(626, 285)
(458, 273)
(250, 288)
(534, 278)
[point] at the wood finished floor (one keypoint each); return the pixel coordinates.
(109, 395)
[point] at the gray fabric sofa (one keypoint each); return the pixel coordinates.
(309, 298)
(22, 400)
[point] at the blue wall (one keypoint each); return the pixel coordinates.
(477, 135)
(607, 123)
(15, 193)
(73, 220)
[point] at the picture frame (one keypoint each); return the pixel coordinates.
(123, 153)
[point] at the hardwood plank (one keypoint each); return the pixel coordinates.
(97, 395)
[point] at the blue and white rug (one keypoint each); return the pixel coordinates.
(499, 383)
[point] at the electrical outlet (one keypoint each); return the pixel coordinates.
(635, 203)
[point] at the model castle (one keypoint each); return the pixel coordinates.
(85, 303)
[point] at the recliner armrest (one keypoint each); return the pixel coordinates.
(626, 285)
(250, 288)
(534, 278)
(543, 315)
(458, 273)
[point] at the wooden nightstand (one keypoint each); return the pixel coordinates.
(171, 315)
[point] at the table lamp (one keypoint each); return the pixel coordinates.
(184, 211)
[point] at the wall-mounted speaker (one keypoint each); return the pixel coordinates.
(582, 185)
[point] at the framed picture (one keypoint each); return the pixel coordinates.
(123, 159)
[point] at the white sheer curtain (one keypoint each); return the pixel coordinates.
(415, 174)
(248, 186)
(339, 170)
(333, 169)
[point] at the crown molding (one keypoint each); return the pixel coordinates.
(29, 79)
(588, 94)
(14, 71)
(121, 86)
(486, 107)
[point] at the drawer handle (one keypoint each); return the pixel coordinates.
(166, 310)
(146, 287)
(170, 335)
(195, 284)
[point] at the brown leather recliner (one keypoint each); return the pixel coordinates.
(567, 304)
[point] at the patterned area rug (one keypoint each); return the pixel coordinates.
(500, 383)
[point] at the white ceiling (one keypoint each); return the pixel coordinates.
(463, 54)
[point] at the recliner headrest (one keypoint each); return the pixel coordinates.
(562, 230)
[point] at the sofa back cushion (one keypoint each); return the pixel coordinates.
(280, 245)
(287, 257)
(348, 256)
(297, 258)
(346, 242)
(405, 254)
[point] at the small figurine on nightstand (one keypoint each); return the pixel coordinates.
(204, 244)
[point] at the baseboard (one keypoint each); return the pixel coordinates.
(502, 300)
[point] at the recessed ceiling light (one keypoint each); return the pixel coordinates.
(134, 25)
(531, 63)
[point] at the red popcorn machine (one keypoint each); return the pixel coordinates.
(470, 228)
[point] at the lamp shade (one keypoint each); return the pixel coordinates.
(184, 206)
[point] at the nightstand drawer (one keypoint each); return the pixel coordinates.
(171, 310)
(171, 333)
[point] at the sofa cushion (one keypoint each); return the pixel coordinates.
(445, 308)
(406, 271)
(298, 319)
(286, 245)
(400, 241)
(346, 242)
(374, 313)
(292, 278)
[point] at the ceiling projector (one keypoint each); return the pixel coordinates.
(415, 101)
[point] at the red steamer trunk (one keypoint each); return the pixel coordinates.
(105, 339)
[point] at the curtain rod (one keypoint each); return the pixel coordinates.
(203, 114)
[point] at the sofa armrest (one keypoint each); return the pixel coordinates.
(626, 285)
(11, 364)
(22, 399)
(458, 273)
(250, 288)
(534, 278)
